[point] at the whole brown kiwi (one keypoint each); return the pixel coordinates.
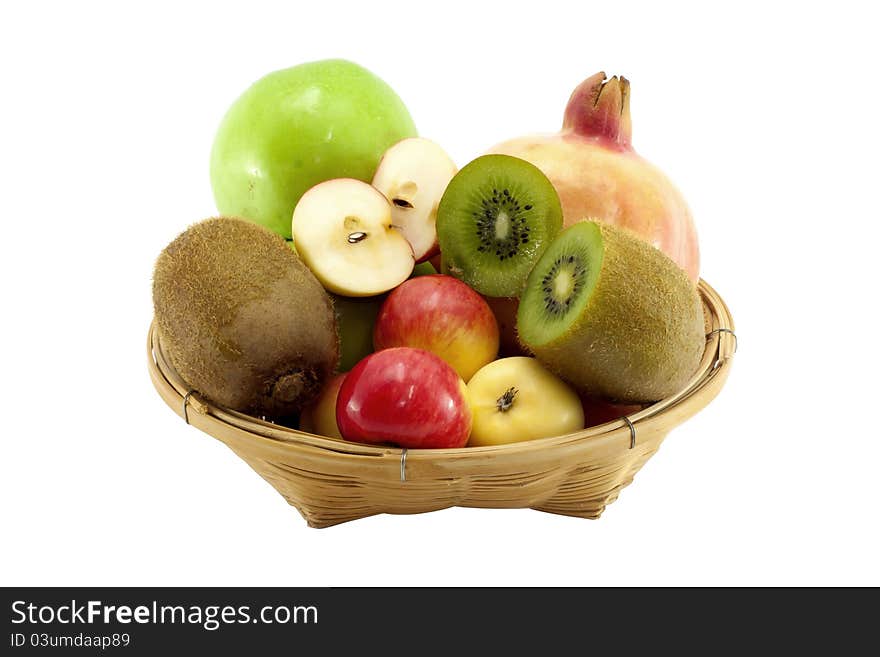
(242, 319)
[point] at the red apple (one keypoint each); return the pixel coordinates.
(504, 309)
(404, 396)
(599, 411)
(443, 315)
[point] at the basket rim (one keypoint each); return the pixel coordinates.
(713, 369)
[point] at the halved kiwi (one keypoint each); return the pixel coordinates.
(612, 315)
(494, 221)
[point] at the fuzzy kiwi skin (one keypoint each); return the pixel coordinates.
(243, 320)
(640, 337)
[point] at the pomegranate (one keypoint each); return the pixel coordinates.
(598, 175)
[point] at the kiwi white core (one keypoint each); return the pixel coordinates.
(502, 225)
(563, 283)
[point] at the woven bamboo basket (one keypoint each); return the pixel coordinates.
(332, 481)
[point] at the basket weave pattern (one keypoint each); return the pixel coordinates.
(332, 481)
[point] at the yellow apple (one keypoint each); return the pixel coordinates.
(517, 398)
(320, 417)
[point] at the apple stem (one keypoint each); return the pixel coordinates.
(505, 401)
(359, 236)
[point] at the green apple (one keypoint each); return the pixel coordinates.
(423, 269)
(356, 318)
(297, 127)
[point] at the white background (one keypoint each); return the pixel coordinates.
(766, 116)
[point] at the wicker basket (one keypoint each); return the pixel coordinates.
(332, 481)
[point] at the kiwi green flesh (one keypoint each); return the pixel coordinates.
(560, 285)
(494, 221)
(636, 336)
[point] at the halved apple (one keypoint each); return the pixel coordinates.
(343, 232)
(413, 174)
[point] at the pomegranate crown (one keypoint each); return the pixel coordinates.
(599, 108)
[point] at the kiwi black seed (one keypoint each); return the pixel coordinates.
(242, 319)
(612, 315)
(495, 219)
(558, 301)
